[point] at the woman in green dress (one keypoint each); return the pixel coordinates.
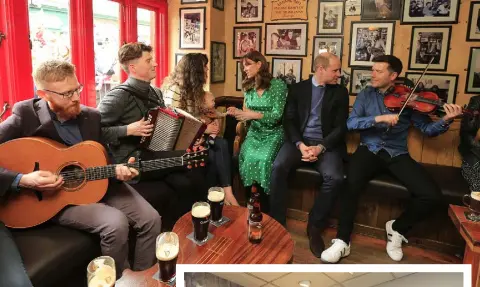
(263, 107)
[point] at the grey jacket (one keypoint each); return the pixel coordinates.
(118, 109)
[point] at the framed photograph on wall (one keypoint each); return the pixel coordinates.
(473, 32)
(248, 11)
(353, 7)
(193, 1)
(178, 57)
(246, 39)
(218, 4)
(368, 40)
(192, 28)
(444, 85)
(359, 80)
(218, 55)
(288, 70)
(332, 44)
(286, 39)
(381, 9)
(239, 76)
(428, 42)
(330, 17)
(430, 12)
(473, 73)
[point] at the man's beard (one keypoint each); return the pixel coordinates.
(67, 113)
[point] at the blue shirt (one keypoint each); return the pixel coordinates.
(368, 105)
(313, 129)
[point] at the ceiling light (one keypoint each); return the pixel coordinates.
(304, 283)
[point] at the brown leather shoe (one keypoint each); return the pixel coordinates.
(315, 239)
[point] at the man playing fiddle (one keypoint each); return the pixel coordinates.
(383, 145)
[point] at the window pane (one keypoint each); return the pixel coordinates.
(146, 26)
(49, 30)
(106, 35)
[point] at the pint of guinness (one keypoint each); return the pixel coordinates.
(201, 220)
(167, 249)
(216, 196)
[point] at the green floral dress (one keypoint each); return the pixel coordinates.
(265, 136)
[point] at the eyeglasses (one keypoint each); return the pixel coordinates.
(69, 94)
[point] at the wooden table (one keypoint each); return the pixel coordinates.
(229, 245)
(470, 232)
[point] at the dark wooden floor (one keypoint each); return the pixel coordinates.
(365, 250)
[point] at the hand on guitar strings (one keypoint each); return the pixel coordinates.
(141, 128)
(125, 173)
(41, 180)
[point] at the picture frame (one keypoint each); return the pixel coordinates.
(359, 80)
(218, 4)
(286, 39)
(249, 11)
(332, 44)
(192, 28)
(239, 75)
(178, 57)
(193, 1)
(472, 85)
(427, 42)
(381, 9)
(473, 30)
(441, 12)
(353, 7)
(368, 40)
(288, 70)
(246, 39)
(330, 17)
(444, 85)
(218, 59)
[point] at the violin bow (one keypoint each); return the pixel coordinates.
(415, 87)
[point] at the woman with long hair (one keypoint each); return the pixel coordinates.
(184, 89)
(263, 106)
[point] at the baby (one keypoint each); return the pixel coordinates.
(209, 115)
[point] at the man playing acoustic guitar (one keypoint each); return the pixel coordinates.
(58, 115)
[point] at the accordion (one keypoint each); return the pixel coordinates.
(172, 130)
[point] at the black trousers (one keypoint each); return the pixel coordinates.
(219, 164)
(364, 165)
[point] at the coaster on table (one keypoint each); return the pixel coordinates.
(209, 236)
(472, 216)
(156, 276)
(221, 222)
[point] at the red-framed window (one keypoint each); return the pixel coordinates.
(16, 83)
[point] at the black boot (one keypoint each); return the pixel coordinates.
(315, 239)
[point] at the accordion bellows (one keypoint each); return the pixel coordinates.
(173, 130)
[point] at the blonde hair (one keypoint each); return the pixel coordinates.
(323, 60)
(52, 71)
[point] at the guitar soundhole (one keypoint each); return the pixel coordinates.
(73, 176)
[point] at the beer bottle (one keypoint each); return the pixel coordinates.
(255, 228)
(254, 196)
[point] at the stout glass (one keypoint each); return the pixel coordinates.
(168, 246)
(101, 272)
(216, 197)
(200, 218)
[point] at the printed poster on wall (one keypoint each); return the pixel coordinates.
(289, 10)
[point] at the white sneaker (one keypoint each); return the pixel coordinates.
(334, 253)
(394, 242)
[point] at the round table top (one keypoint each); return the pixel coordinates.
(230, 244)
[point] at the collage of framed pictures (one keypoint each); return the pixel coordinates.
(381, 9)
(288, 70)
(473, 30)
(369, 40)
(192, 28)
(332, 44)
(359, 80)
(286, 39)
(248, 11)
(330, 17)
(433, 12)
(473, 72)
(218, 57)
(444, 85)
(246, 39)
(353, 7)
(429, 42)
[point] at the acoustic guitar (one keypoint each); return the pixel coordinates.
(84, 168)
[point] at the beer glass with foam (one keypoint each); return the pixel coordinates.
(216, 196)
(201, 220)
(101, 272)
(167, 249)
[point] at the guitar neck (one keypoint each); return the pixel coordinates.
(108, 171)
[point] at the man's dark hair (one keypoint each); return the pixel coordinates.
(132, 51)
(394, 63)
